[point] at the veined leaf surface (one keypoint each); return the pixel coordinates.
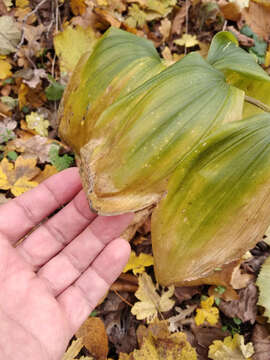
(119, 63)
(138, 141)
(218, 203)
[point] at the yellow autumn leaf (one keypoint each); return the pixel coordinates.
(71, 44)
(232, 348)
(151, 303)
(73, 351)
(159, 344)
(207, 312)
(48, 171)
(78, 7)
(18, 177)
(187, 40)
(267, 58)
(138, 263)
(5, 68)
(36, 121)
(22, 3)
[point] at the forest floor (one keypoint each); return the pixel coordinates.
(40, 43)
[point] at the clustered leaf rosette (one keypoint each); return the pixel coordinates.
(172, 137)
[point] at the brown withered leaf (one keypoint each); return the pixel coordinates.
(257, 16)
(94, 337)
(179, 19)
(261, 342)
(186, 292)
(244, 308)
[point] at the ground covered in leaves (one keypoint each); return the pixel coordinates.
(40, 43)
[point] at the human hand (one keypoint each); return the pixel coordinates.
(51, 281)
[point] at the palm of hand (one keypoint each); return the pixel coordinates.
(52, 280)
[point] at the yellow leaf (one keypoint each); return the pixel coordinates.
(267, 58)
(207, 312)
(5, 68)
(48, 171)
(158, 344)
(78, 7)
(71, 44)
(187, 40)
(22, 3)
(138, 263)
(150, 302)
(73, 350)
(36, 121)
(17, 178)
(8, 3)
(232, 348)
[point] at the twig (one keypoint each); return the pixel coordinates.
(257, 103)
(123, 299)
(26, 18)
(3, 115)
(224, 25)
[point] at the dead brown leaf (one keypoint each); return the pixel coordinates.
(94, 337)
(257, 16)
(261, 342)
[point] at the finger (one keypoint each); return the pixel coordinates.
(65, 268)
(53, 235)
(80, 299)
(28, 210)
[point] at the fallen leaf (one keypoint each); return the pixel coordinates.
(207, 312)
(60, 162)
(261, 342)
(48, 171)
(186, 292)
(17, 177)
(263, 285)
(150, 302)
(187, 40)
(94, 337)
(8, 4)
(176, 322)
(232, 348)
(10, 35)
(138, 263)
(35, 146)
(158, 344)
(257, 16)
(78, 7)
(165, 28)
(34, 77)
(71, 43)
(179, 19)
(22, 3)
(36, 121)
(73, 350)
(5, 68)
(29, 96)
(244, 308)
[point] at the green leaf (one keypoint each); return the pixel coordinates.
(119, 63)
(260, 46)
(54, 91)
(12, 155)
(262, 282)
(225, 55)
(60, 162)
(142, 137)
(194, 228)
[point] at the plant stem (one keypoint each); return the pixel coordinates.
(257, 103)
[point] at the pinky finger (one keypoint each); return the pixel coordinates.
(78, 300)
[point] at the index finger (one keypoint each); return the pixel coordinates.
(19, 216)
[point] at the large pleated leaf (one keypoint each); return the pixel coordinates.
(138, 141)
(262, 282)
(241, 70)
(119, 63)
(218, 203)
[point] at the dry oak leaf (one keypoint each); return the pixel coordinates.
(150, 301)
(207, 312)
(17, 177)
(78, 7)
(138, 263)
(232, 348)
(94, 337)
(159, 344)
